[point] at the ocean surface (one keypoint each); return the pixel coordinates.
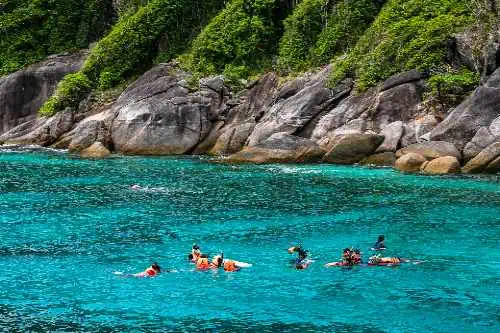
(67, 225)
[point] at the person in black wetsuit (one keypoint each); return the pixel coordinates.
(379, 245)
(300, 262)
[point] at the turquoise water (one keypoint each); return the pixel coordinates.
(67, 224)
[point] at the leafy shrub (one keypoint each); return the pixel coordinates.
(302, 29)
(243, 34)
(69, 93)
(320, 29)
(32, 29)
(132, 44)
(407, 34)
(447, 90)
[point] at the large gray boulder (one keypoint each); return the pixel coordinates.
(157, 115)
(481, 140)
(232, 139)
(23, 93)
(96, 128)
(431, 150)
(392, 134)
(241, 115)
(290, 115)
(280, 148)
(399, 103)
(352, 148)
(481, 162)
(411, 76)
(343, 115)
(478, 110)
(42, 131)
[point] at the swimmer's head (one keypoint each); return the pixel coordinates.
(196, 247)
(190, 256)
(156, 267)
(218, 260)
(381, 238)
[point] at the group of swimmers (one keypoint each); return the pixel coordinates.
(350, 257)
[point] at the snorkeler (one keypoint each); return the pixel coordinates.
(387, 261)
(350, 257)
(379, 245)
(151, 271)
(301, 262)
(195, 253)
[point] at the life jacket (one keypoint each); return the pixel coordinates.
(150, 272)
(202, 263)
(230, 266)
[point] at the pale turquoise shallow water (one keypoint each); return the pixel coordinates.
(67, 224)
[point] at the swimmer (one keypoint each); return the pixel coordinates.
(301, 262)
(203, 263)
(135, 187)
(350, 257)
(385, 261)
(195, 253)
(151, 271)
(379, 245)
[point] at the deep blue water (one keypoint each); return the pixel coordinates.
(67, 224)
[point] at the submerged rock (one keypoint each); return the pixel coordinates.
(280, 148)
(410, 162)
(442, 165)
(352, 148)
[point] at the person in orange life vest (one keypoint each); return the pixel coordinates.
(376, 260)
(217, 261)
(151, 271)
(230, 266)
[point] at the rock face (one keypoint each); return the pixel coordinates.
(158, 116)
(392, 134)
(352, 148)
(241, 115)
(292, 114)
(481, 162)
(22, 93)
(410, 162)
(431, 150)
(442, 165)
(479, 110)
(380, 159)
(280, 148)
(96, 150)
(42, 131)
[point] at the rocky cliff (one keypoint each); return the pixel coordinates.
(409, 83)
(301, 120)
